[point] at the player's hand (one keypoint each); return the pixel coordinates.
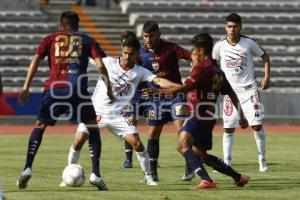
(243, 122)
(111, 97)
(23, 96)
(265, 83)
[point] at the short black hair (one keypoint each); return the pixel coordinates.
(205, 41)
(234, 17)
(150, 26)
(69, 18)
(132, 42)
(126, 34)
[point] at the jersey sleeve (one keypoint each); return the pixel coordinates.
(256, 49)
(197, 74)
(148, 76)
(96, 50)
(216, 51)
(182, 53)
(44, 47)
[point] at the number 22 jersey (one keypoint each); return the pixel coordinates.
(68, 56)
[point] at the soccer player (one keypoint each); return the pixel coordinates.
(205, 82)
(235, 54)
(125, 76)
(161, 57)
(65, 91)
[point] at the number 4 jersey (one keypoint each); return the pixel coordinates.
(68, 56)
(205, 83)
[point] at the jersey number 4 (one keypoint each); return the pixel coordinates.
(217, 83)
(68, 46)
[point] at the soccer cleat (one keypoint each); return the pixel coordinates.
(149, 180)
(204, 184)
(127, 164)
(62, 184)
(98, 182)
(263, 167)
(155, 177)
(243, 181)
(188, 176)
(24, 178)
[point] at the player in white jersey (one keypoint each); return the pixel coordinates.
(124, 77)
(235, 54)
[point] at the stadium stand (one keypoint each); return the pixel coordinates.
(274, 24)
(22, 29)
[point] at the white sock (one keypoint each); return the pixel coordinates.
(260, 138)
(73, 156)
(143, 157)
(228, 141)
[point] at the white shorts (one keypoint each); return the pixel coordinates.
(250, 104)
(117, 125)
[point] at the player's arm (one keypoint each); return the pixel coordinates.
(235, 101)
(30, 74)
(102, 70)
(164, 83)
(265, 83)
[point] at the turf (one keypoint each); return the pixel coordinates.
(282, 181)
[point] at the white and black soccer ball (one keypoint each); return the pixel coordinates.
(73, 175)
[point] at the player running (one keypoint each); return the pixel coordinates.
(235, 54)
(161, 57)
(65, 92)
(205, 83)
(125, 77)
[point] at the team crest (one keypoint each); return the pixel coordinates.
(228, 107)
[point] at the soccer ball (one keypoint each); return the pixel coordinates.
(73, 175)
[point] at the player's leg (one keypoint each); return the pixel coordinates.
(34, 142)
(91, 131)
(260, 139)
(189, 174)
(121, 126)
(153, 148)
(44, 118)
(193, 160)
(192, 135)
(220, 166)
(230, 122)
(128, 147)
(79, 140)
(88, 116)
(254, 113)
(136, 143)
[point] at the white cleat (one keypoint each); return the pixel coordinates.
(263, 167)
(188, 177)
(149, 180)
(62, 184)
(98, 182)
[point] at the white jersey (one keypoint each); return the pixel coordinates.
(124, 84)
(237, 60)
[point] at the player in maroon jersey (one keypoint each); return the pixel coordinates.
(65, 92)
(206, 81)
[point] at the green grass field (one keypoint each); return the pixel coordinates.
(282, 181)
